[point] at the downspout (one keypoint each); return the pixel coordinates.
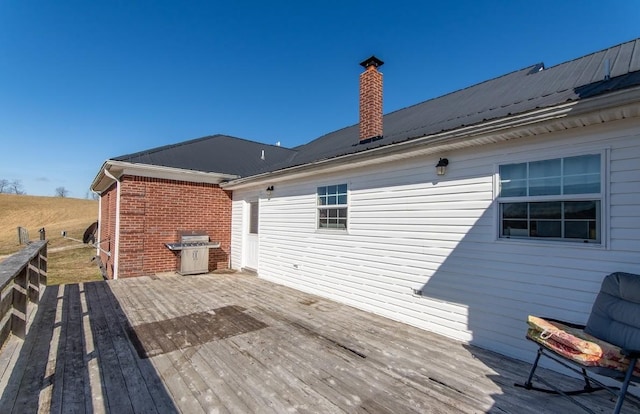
(99, 227)
(116, 243)
(99, 236)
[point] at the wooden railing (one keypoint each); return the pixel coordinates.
(23, 278)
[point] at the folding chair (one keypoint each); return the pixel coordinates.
(609, 345)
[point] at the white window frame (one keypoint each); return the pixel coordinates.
(603, 197)
(327, 207)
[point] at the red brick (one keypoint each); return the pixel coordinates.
(152, 212)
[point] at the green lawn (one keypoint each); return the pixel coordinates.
(72, 266)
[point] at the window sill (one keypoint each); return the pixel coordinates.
(551, 243)
(332, 231)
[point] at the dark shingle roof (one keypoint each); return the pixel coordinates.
(216, 153)
(514, 93)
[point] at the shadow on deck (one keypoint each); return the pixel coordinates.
(239, 344)
(77, 358)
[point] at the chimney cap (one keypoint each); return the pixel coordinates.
(371, 61)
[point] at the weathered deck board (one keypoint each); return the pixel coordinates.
(196, 386)
(265, 349)
(168, 368)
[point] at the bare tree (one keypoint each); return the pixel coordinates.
(92, 196)
(4, 185)
(62, 192)
(15, 187)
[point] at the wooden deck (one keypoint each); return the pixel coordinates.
(233, 343)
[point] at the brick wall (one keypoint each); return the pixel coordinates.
(153, 211)
(370, 103)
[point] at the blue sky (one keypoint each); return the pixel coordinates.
(83, 81)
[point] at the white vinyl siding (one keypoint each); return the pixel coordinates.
(237, 208)
(410, 230)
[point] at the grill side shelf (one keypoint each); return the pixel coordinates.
(183, 246)
(173, 246)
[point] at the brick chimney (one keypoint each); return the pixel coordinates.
(371, 99)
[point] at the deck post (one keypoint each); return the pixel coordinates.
(20, 304)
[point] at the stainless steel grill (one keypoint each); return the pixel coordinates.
(193, 249)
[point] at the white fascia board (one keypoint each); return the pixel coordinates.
(426, 145)
(95, 184)
(616, 105)
(120, 168)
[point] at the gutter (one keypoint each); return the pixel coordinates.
(120, 168)
(429, 144)
(500, 130)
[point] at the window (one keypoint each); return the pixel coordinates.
(557, 199)
(332, 207)
(254, 215)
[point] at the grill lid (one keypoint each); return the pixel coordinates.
(192, 240)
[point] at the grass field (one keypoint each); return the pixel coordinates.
(70, 265)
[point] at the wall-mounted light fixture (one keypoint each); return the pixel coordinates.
(269, 191)
(441, 166)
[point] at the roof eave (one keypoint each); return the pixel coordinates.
(117, 169)
(602, 108)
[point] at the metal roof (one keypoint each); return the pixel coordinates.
(518, 92)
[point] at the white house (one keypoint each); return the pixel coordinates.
(538, 201)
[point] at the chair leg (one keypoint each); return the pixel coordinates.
(551, 389)
(529, 384)
(587, 384)
(623, 389)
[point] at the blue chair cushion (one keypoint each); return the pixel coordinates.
(615, 316)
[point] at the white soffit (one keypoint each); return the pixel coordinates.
(119, 169)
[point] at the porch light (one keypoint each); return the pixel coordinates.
(441, 167)
(269, 191)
